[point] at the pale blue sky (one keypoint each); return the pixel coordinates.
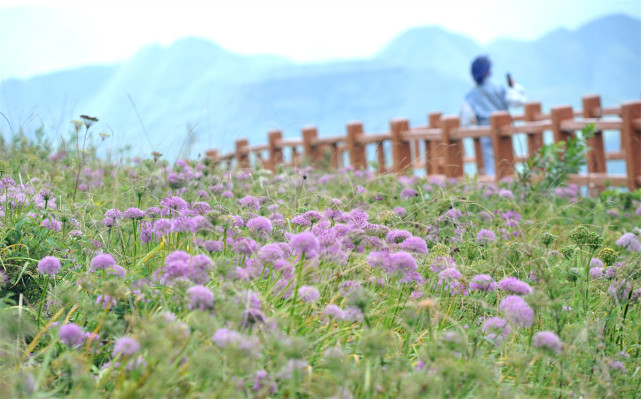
(41, 36)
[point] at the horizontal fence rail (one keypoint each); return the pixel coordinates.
(438, 147)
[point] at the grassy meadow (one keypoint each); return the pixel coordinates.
(157, 279)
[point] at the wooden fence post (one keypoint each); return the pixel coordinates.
(401, 153)
(274, 138)
(532, 110)
(312, 150)
(242, 153)
(434, 149)
(356, 150)
(559, 114)
(502, 145)
(631, 142)
(380, 152)
(596, 157)
(453, 166)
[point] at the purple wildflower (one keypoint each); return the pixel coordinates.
(270, 253)
(51, 224)
(408, 193)
(134, 214)
(49, 265)
(515, 285)
(400, 211)
(449, 274)
(260, 224)
(415, 244)
(441, 263)
(517, 311)
(305, 244)
(596, 273)
(333, 311)
(113, 214)
(252, 316)
(117, 270)
(397, 236)
(71, 335)
(485, 236)
(549, 341)
(213, 246)
(482, 282)
(630, 242)
(126, 347)
(223, 337)
(249, 202)
(244, 245)
(308, 294)
(201, 298)
(496, 329)
(102, 261)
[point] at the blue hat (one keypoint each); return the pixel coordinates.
(481, 68)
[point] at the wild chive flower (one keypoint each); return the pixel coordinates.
(244, 245)
(408, 193)
(270, 253)
(223, 337)
(397, 236)
(260, 225)
(250, 202)
(517, 311)
(449, 274)
(308, 294)
(49, 265)
(201, 298)
(496, 329)
(333, 311)
(125, 346)
(71, 335)
(549, 341)
(305, 244)
(485, 236)
(596, 273)
(102, 261)
(482, 282)
(213, 246)
(441, 263)
(134, 214)
(117, 270)
(51, 224)
(252, 316)
(630, 242)
(113, 214)
(515, 286)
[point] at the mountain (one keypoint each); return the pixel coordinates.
(197, 89)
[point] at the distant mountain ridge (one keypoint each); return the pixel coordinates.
(154, 99)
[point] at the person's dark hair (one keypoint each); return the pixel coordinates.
(481, 68)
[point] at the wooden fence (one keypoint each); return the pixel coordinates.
(438, 146)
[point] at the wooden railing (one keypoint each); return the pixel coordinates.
(438, 146)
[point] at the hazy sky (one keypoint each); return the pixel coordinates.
(42, 36)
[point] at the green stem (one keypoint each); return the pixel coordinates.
(42, 299)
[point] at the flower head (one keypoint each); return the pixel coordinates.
(71, 335)
(201, 297)
(49, 265)
(517, 311)
(305, 244)
(549, 341)
(126, 347)
(515, 285)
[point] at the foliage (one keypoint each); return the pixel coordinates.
(553, 164)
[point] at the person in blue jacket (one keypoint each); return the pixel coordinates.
(484, 99)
